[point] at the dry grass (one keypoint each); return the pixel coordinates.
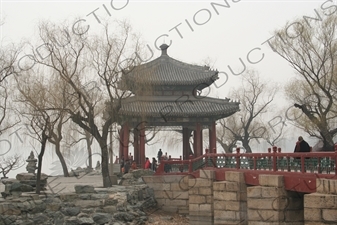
(159, 217)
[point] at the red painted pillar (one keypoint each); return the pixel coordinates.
(212, 138)
(142, 146)
(126, 134)
(197, 140)
(185, 143)
(136, 145)
(201, 141)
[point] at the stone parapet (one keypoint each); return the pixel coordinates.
(271, 204)
(320, 208)
(201, 209)
(230, 199)
(171, 192)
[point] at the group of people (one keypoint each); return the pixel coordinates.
(127, 166)
(151, 165)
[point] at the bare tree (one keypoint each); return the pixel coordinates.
(225, 137)
(10, 163)
(83, 58)
(255, 97)
(35, 97)
(8, 56)
(310, 47)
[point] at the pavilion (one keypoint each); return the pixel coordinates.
(166, 93)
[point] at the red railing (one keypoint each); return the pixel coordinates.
(304, 166)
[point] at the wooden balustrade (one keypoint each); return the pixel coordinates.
(275, 160)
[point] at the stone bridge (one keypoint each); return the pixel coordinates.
(250, 189)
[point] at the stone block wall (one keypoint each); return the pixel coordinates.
(230, 200)
(171, 192)
(321, 207)
(271, 204)
(201, 211)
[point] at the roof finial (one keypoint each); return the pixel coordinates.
(164, 48)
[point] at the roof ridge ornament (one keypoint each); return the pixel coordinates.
(164, 48)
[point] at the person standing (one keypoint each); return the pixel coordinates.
(134, 165)
(159, 155)
(147, 163)
(154, 164)
(127, 166)
(302, 145)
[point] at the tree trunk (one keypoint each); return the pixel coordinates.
(39, 166)
(105, 162)
(87, 138)
(245, 144)
(61, 158)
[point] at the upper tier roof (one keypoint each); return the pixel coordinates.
(165, 70)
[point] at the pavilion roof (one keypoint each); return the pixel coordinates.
(165, 70)
(170, 106)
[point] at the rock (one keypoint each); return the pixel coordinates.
(101, 218)
(25, 176)
(58, 218)
(9, 181)
(40, 218)
(30, 179)
(85, 221)
(71, 211)
(124, 216)
(79, 189)
(20, 187)
(5, 194)
(134, 177)
(140, 172)
(72, 221)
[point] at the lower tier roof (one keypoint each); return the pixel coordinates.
(177, 107)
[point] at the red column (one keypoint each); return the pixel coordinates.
(136, 145)
(201, 142)
(186, 143)
(212, 138)
(142, 146)
(197, 140)
(126, 134)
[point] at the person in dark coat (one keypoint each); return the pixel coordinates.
(159, 155)
(127, 166)
(302, 145)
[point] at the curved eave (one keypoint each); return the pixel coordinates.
(183, 107)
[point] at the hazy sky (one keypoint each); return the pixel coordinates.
(196, 30)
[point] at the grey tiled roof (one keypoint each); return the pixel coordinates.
(172, 107)
(168, 71)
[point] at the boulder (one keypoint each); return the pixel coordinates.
(25, 176)
(79, 189)
(19, 187)
(140, 173)
(134, 177)
(9, 181)
(40, 218)
(101, 218)
(71, 211)
(30, 179)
